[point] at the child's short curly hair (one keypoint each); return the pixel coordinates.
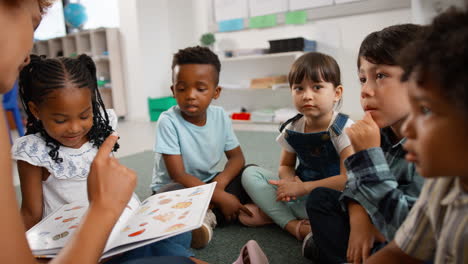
(197, 55)
(439, 55)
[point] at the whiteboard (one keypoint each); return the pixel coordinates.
(230, 9)
(266, 7)
(306, 4)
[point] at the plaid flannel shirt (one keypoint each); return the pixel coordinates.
(384, 183)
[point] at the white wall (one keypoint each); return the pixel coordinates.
(153, 30)
(339, 37)
(423, 11)
(102, 13)
(53, 24)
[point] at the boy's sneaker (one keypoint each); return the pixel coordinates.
(202, 235)
(309, 249)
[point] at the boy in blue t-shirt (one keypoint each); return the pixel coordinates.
(192, 137)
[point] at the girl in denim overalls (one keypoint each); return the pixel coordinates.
(315, 137)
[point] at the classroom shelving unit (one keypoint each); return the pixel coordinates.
(103, 45)
(240, 70)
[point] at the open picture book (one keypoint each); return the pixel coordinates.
(141, 223)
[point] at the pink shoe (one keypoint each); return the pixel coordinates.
(259, 218)
(251, 253)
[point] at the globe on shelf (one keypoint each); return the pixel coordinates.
(75, 15)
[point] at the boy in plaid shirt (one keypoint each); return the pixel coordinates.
(382, 187)
(436, 229)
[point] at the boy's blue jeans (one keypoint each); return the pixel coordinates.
(174, 246)
(160, 260)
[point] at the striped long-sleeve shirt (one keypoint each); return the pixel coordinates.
(384, 183)
(437, 226)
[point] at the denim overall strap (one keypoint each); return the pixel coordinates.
(338, 124)
(290, 120)
(318, 158)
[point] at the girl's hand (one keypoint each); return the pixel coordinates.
(282, 181)
(364, 134)
(289, 189)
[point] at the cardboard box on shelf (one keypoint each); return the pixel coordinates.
(267, 82)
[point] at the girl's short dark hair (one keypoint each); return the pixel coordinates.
(440, 55)
(43, 76)
(384, 46)
(316, 67)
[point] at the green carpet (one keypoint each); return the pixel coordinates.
(280, 247)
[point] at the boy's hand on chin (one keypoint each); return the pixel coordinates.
(364, 134)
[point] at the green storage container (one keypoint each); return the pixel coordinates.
(158, 105)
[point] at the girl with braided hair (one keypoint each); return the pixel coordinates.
(67, 123)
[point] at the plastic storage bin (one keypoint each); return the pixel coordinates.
(292, 44)
(158, 105)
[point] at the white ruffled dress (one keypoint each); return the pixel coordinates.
(67, 180)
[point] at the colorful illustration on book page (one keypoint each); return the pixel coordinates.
(153, 212)
(61, 235)
(45, 233)
(164, 217)
(182, 205)
(125, 229)
(143, 209)
(165, 201)
(74, 208)
(137, 233)
(184, 215)
(197, 191)
(57, 229)
(175, 227)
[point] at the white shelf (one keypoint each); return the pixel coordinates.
(235, 121)
(253, 90)
(101, 58)
(240, 125)
(103, 45)
(294, 54)
(239, 71)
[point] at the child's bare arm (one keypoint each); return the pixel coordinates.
(362, 235)
(235, 163)
(176, 169)
(287, 168)
(298, 188)
(288, 178)
(31, 191)
(392, 254)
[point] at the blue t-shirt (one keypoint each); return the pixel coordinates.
(201, 147)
